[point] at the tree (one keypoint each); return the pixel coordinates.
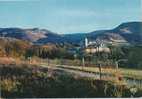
(97, 45)
(116, 54)
(135, 57)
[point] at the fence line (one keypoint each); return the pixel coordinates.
(76, 62)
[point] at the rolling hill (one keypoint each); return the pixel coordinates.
(34, 35)
(126, 33)
(130, 32)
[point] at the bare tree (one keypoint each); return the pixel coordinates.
(98, 44)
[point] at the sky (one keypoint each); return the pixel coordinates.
(69, 16)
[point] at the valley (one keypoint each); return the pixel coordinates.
(40, 63)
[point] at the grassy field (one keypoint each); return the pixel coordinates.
(130, 73)
(25, 81)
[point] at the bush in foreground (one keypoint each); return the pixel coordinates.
(33, 81)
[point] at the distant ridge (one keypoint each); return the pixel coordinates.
(128, 32)
(34, 35)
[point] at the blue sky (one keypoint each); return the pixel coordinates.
(68, 16)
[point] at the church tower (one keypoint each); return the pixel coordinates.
(86, 42)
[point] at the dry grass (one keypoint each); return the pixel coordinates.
(131, 73)
(26, 81)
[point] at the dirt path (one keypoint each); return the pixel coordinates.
(77, 73)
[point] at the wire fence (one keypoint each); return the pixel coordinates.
(75, 62)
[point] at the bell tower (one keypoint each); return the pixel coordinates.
(86, 42)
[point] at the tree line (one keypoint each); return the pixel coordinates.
(24, 50)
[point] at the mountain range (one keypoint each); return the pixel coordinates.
(130, 32)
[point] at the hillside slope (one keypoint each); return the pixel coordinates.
(130, 32)
(125, 33)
